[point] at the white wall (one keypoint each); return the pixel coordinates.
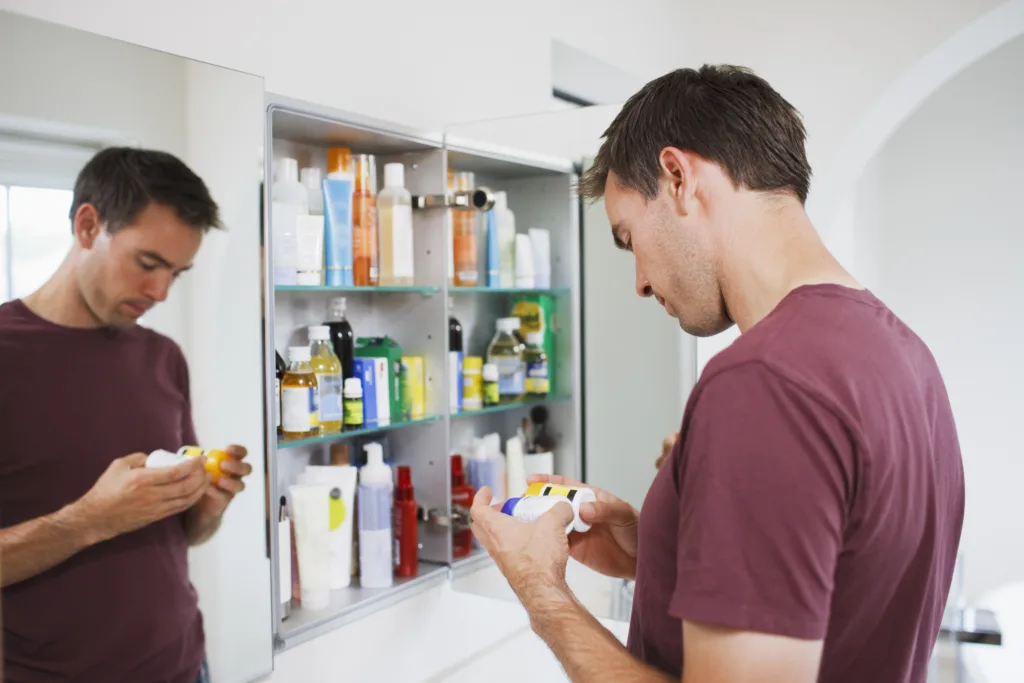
(943, 245)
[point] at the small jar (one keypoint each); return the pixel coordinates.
(491, 395)
(472, 383)
(353, 403)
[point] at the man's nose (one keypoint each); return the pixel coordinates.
(643, 287)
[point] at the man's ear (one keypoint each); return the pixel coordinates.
(679, 169)
(86, 225)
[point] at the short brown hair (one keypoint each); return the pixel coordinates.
(726, 114)
(120, 182)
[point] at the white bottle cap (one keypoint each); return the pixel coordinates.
(319, 333)
(353, 388)
(508, 325)
(375, 471)
(501, 200)
(524, 261)
(394, 175)
(490, 372)
(311, 177)
(535, 338)
(287, 170)
(299, 354)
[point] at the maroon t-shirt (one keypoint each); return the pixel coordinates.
(816, 491)
(71, 401)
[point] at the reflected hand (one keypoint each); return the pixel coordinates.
(610, 545)
(220, 493)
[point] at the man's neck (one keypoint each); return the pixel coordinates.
(775, 254)
(59, 301)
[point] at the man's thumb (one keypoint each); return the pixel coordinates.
(561, 514)
(135, 460)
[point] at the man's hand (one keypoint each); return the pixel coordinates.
(531, 555)
(128, 496)
(666, 449)
(610, 545)
(230, 484)
(202, 521)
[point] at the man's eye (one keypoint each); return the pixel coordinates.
(148, 267)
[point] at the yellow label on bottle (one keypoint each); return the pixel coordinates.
(337, 512)
(491, 395)
(353, 412)
(544, 489)
(531, 317)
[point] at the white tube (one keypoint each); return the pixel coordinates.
(311, 512)
(524, 262)
(342, 480)
(309, 236)
(530, 508)
(540, 240)
(515, 472)
(539, 463)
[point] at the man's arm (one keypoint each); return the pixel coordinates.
(200, 527)
(586, 649)
(34, 546)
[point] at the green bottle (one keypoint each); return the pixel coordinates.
(537, 374)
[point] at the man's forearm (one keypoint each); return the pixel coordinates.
(32, 547)
(586, 649)
(199, 528)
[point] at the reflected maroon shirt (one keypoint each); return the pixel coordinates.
(71, 401)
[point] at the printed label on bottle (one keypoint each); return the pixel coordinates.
(298, 410)
(330, 397)
(537, 378)
(455, 381)
(468, 278)
(491, 394)
(401, 241)
(353, 412)
(510, 376)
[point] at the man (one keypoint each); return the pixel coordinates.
(805, 525)
(93, 545)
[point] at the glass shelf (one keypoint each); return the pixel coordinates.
(510, 406)
(357, 290)
(345, 602)
(340, 436)
(557, 291)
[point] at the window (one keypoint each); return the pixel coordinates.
(37, 236)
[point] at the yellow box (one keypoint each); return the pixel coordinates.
(414, 372)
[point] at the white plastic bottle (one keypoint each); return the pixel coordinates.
(289, 199)
(311, 179)
(376, 564)
(394, 220)
(530, 508)
(505, 221)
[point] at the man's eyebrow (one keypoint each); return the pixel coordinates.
(618, 240)
(162, 261)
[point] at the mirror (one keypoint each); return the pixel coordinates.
(635, 365)
(66, 95)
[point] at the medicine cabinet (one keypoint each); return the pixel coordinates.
(540, 194)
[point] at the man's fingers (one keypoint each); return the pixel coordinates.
(134, 460)
(482, 497)
(618, 512)
(231, 485)
(161, 476)
(237, 452)
(235, 468)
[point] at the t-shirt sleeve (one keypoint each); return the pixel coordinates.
(763, 488)
(188, 430)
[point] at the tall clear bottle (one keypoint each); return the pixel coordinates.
(299, 396)
(506, 353)
(365, 255)
(394, 214)
(465, 228)
(343, 340)
(328, 378)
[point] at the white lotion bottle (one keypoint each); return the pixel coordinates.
(289, 200)
(376, 551)
(394, 220)
(505, 221)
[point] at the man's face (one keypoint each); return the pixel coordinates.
(122, 276)
(674, 255)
